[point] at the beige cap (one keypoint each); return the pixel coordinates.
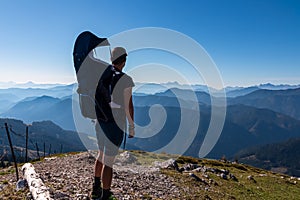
(117, 52)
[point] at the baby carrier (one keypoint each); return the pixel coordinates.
(88, 71)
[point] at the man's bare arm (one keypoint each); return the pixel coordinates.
(129, 110)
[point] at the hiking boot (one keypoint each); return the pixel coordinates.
(108, 195)
(96, 193)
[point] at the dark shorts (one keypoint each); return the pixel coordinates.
(110, 137)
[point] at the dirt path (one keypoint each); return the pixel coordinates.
(70, 177)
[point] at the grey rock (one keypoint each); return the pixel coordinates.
(21, 184)
(126, 158)
(169, 164)
(232, 177)
(223, 176)
(251, 178)
(198, 178)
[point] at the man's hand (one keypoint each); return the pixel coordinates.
(131, 131)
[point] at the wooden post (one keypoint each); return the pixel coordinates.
(36, 186)
(26, 153)
(49, 150)
(12, 150)
(37, 150)
(44, 149)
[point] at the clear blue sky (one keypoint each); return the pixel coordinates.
(251, 42)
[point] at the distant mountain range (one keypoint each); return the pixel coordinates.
(257, 126)
(244, 127)
(45, 132)
(11, 96)
(283, 157)
(56, 104)
(43, 108)
(282, 101)
(152, 88)
(21, 93)
(30, 84)
(257, 115)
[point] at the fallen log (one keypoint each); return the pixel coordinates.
(36, 186)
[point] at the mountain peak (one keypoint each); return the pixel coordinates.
(154, 176)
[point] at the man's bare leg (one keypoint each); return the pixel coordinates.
(99, 165)
(97, 190)
(107, 171)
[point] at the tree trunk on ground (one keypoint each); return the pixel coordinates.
(36, 186)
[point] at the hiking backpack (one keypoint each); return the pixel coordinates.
(88, 71)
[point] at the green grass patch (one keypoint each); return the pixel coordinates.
(187, 159)
(147, 158)
(266, 185)
(7, 171)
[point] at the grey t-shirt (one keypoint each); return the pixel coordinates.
(115, 82)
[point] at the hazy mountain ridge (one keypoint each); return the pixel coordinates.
(29, 84)
(39, 133)
(146, 88)
(242, 132)
(262, 126)
(22, 93)
(260, 117)
(282, 101)
(43, 108)
(283, 157)
(241, 91)
(30, 109)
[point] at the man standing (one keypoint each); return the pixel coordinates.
(112, 111)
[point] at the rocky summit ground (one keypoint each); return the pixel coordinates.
(71, 176)
(142, 175)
